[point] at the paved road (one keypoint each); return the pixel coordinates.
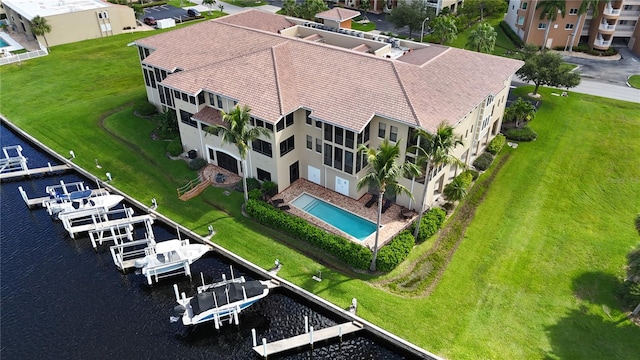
(598, 88)
(608, 71)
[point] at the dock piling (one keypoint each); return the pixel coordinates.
(311, 336)
(306, 324)
(253, 337)
(264, 346)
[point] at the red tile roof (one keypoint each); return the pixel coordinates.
(276, 75)
(338, 14)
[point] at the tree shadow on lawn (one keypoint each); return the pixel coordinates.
(592, 332)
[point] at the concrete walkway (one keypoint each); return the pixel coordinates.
(597, 88)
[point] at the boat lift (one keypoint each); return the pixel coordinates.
(167, 269)
(125, 254)
(13, 162)
(96, 220)
(63, 189)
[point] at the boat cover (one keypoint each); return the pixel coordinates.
(204, 301)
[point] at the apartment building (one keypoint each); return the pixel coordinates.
(614, 22)
(70, 20)
(321, 92)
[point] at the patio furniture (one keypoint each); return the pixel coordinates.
(386, 205)
(221, 178)
(277, 202)
(407, 214)
(284, 207)
(373, 200)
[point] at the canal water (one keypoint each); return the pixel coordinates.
(61, 299)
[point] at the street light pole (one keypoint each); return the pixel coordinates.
(422, 31)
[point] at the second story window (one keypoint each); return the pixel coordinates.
(286, 146)
(382, 130)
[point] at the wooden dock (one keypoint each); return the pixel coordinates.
(307, 339)
(29, 172)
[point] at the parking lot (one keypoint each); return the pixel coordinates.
(166, 12)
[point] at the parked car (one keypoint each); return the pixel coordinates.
(150, 20)
(193, 13)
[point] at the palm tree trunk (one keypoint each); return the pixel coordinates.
(546, 35)
(244, 180)
(575, 32)
(375, 245)
(424, 197)
(46, 43)
(535, 91)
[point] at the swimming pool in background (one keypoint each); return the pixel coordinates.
(8, 43)
(339, 218)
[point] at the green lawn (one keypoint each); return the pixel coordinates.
(634, 81)
(503, 43)
(532, 279)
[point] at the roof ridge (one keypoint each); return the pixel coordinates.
(437, 56)
(277, 77)
(404, 91)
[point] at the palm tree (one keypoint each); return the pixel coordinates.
(383, 175)
(520, 110)
(550, 10)
(434, 150)
(40, 27)
(365, 6)
(444, 28)
(237, 132)
(456, 190)
(584, 7)
(483, 38)
(209, 4)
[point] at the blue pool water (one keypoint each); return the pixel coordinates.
(3, 43)
(340, 219)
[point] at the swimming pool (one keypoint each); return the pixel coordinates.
(3, 43)
(7, 43)
(340, 219)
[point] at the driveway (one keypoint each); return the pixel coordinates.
(613, 72)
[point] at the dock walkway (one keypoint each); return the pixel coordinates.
(29, 172)
(307, 339)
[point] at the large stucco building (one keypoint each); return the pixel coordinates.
(616, 21)
(70, 20)
(321, 92)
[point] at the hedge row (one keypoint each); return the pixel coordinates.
(524, 134)
(351, 253)
(430, 223)
(483, 161)
(392, 254)
(496, 144)
(511, 34)
(175, 147)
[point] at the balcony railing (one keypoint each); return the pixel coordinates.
(611, 11)
(602, 43)
(607, 27)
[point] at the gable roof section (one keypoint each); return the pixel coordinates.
(338, 14)
(276, 75)
(258, 20)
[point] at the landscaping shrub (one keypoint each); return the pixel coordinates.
(524, 134)
(269, 188)
(483, 161)
(255, 194)
(392, 254)
(511, 34)
(175, 147)
(145, 108)
(474, 174)
(584, 48)
(496, 144)
(431, 222)
(197, 164)
(252, 184)
(351, 253)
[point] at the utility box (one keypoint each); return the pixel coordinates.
(165, 23)
(192, 154)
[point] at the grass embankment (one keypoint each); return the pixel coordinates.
(538, 263)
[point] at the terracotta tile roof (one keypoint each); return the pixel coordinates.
(338, 14)
(210, 116)
(361, 48)
(275, 75)
(259, 20)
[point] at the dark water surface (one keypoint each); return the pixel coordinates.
(60, 299)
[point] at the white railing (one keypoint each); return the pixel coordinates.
(24, 56)
(602, 43)
(608, 10)
(606, 27)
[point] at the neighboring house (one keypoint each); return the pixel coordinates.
(338, 17)
(321, 93)
(616, 21)
(70, 20)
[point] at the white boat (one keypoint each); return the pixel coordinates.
(220, 301)
(169, 258)
(65, 198)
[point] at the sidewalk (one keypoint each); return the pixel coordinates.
(229, 8)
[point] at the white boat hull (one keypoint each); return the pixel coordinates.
(169, 257)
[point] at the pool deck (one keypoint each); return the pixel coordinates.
(392, 220)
